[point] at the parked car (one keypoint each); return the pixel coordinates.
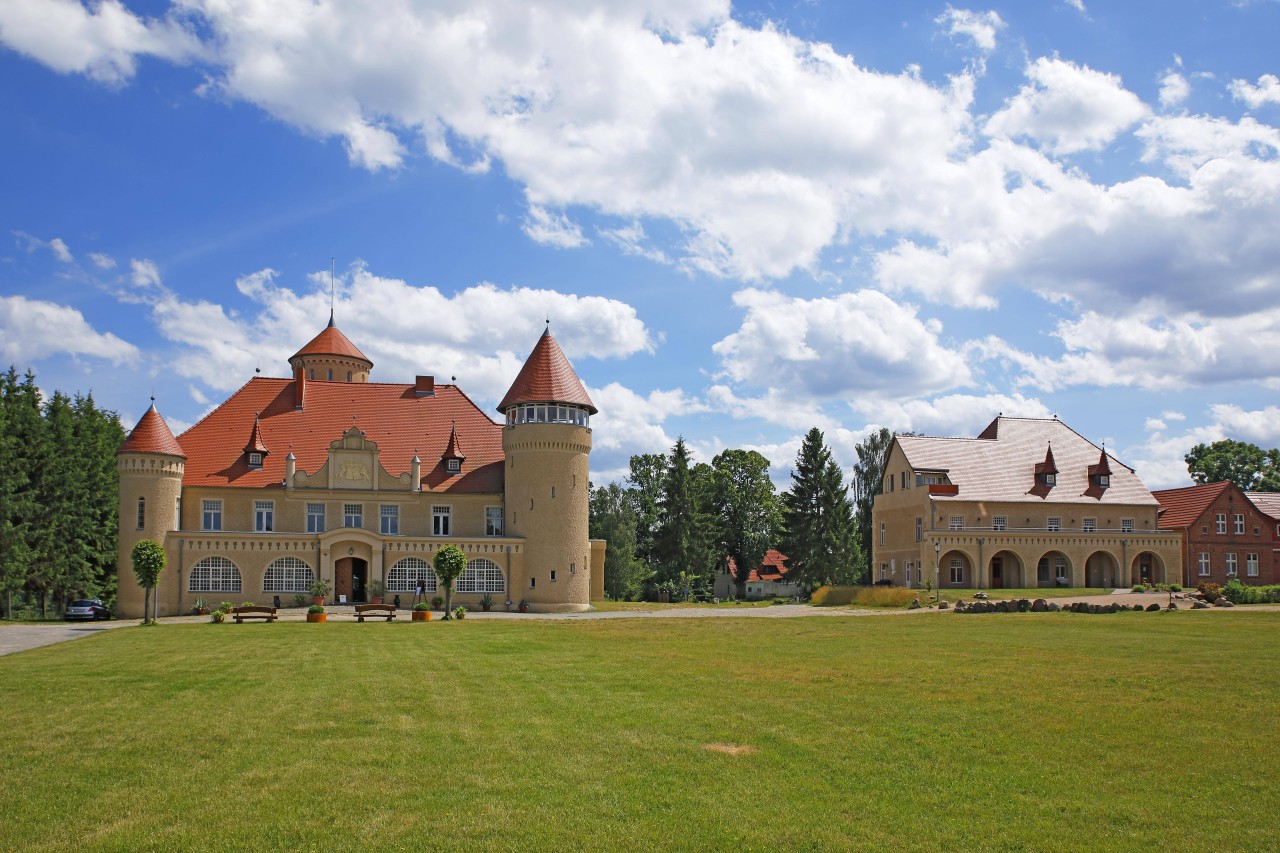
(86, 608)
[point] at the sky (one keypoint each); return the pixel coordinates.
(742, 220)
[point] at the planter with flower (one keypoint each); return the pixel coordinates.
(421, 612)
(319, 589)
(315, 613)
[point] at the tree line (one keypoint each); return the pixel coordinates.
(673, 524)
(58, 496)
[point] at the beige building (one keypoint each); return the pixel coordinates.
(328, 475)
(1028, 503)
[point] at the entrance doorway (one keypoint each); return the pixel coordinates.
(351, 578)
(997, 573)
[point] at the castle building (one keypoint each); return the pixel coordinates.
(326, 475)
(1028, 503)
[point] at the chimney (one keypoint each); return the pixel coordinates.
(415, 473)
(299, 387)
(425, 386)
(290, 466)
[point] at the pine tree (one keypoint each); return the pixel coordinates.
(14, 493)
(820, 539)
(681, 544)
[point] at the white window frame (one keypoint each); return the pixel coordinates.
(1204, 564)
(1104, 480)
(453, 466)
(1221, 523)
(1053, 524)
(1000, 522)
(315, 520)
(353, 515)
(389, 520)
(211, 514)
(481, 575)
(1239, 524)
(1233, 567)
(1050, 479)
(1089, 525)
(1060, 568)
(493, 519)
(1126, 525)
(882, 533)
(957, 570)
(214, 574)
(287, 574)
(441, 520)
(264, 516)
(955, 522)
(1251, 565)
(405, 575)
(255, 460)
(919, 529)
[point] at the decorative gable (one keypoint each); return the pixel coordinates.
(1047, 471)
(1100, 473)
(255, 451)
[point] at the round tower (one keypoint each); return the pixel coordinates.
(331, 357)
(151, 464)
(547, 442)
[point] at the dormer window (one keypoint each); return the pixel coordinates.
(453, 466)
(255, 460)
(1104, 480)
(1050, 479)
(1100, 473)
(1047, 471)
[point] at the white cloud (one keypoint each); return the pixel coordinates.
(1068, 108)
(102, 261)
(103, 41)
(632, 240)
(552, 229)
(32, 329)
(951, 415)
(144, 273)
(1174, 89)
(836, 347)
(1259, 426)
(1266, 92)
(57, 246)
(981, 27)
(61, 251)
(1078, 5)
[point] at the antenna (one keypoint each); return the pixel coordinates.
(331, 292)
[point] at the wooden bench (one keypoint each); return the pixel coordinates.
(253, 611)
(375, 611)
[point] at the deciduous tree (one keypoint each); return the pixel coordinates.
(148, 562)
(613, 518)
(867, 473)
(448, 563)
(746, 509)
(1247, 465)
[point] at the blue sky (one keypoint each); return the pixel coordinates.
(743, 220)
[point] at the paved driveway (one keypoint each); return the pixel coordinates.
(20, 637)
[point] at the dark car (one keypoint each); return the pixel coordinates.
(86, 608)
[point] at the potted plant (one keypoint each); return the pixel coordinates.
(421, 612)
(319, 589)
(200, 608)
(437, 602)
(219, 616)
(376, 591)
(486, 603)
(299, 600)
(459, 612)
(315, 613)
(524, 606)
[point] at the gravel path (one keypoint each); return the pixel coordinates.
(19, 637)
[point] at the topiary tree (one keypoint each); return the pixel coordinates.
(148, 563)
(449, 562)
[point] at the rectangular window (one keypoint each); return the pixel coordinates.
(1060, 568)
(1231, 565)
(177, 513)
(553, 575)
(353, 515)
(533, 582)
(957, 570)
(1055, 523)
(1000, 522)
(1104, 480)
(454, 465)
(955, 522)
(1251, 565)
(142, 513)
(212, 515)
(255, 460)
(1089, 525)
(1126, 525)
(904, 479)
(919, 529)
(389, 519)
(440, 525)
(1239, 524)
(1042, 571)
(1222, 522)
(1203, 563)
(493, 521)
(1050, 479)
(315, 518)
(882, 533)
(264, 513)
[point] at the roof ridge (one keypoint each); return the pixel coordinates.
(220, 406)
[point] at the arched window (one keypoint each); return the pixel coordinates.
(407, 573)
(481, 576)
(214, 574)
(287, 574)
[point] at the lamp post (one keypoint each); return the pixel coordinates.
(937, 588)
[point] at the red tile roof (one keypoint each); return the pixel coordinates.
(331, 341)
(151, 435)
(547, 377)
(255, 444)
(1181, 508)
(1267, 502)
(999, 465)
(393, 416)
(772, 569)
(453, 450)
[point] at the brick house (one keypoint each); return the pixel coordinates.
(767, 580)
(1224, 534)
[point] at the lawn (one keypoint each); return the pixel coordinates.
(1005, 732)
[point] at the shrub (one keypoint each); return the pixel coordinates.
(218, 616)
(885, 596)
(1210, 591)
(1138, 587)
(320, 587)
(833, 596)
(299, 600)
(1175, 587)
(1241, 593)
(459, 612)
(226, 606)
(437, 601)
(421, 606)
(316, 608)
(246, 604)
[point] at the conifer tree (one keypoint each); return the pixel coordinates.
(820, 538)
(681, 544)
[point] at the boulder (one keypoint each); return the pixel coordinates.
(1039, 606)
(1054, 607)
(1173, 605)
(1138, 607)
(1199, 605)
(1223, 601)
(942, 605)
(1023, 605)
(1153, 608)
(915, 604)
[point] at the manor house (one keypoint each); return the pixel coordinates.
(1028, 503)
(327, 475)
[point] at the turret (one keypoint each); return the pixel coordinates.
(329, 357)
(151, 463)
(547, 442)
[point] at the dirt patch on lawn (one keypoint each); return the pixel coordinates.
(734, 749)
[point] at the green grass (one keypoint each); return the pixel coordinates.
(606, 606)
(1041, 731)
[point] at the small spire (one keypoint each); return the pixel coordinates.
(331, 293)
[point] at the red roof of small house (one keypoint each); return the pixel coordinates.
(1181, 508)
(547, 377)
(401, 423)
(331, 341)
(772, 569)
(152, 435)
(1267, 502)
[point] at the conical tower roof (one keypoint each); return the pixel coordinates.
(152, 435)
(255, 444)
(547, 377)
(331, 341)
(454, 449)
